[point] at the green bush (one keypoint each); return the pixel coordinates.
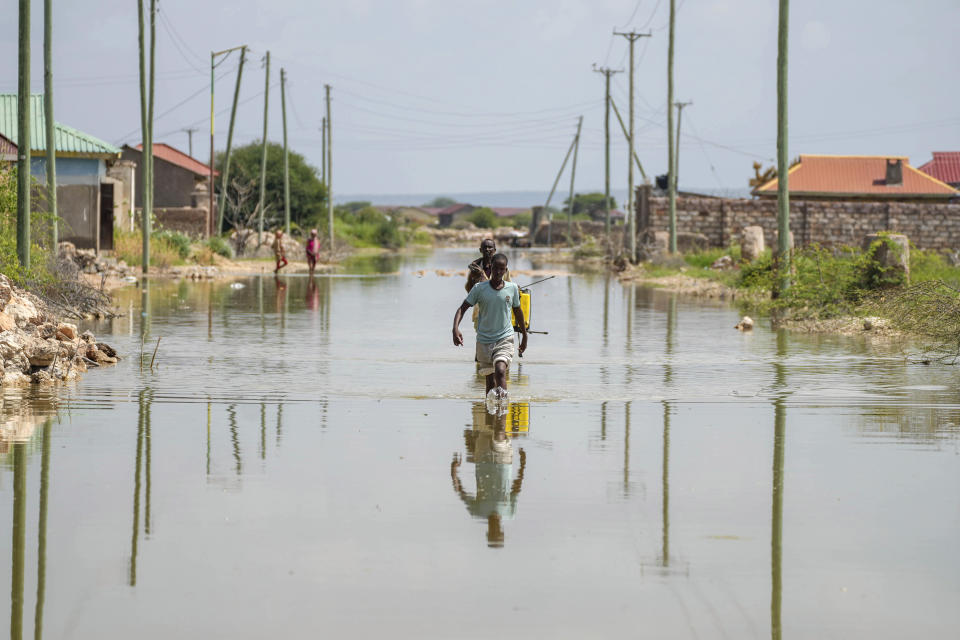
(220, 246)
(484, 217)
(38, 274)
(177, 240)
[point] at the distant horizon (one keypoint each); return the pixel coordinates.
(506, 198)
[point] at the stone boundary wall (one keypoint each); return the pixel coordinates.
(189, 220)
(826, 222)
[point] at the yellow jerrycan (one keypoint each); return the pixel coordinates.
(525, 307)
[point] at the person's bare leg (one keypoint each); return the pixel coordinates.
(500, 373)
(491, 383)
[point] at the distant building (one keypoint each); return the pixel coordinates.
(176, 176)
(447, 215)
(945, 167)
(85, 194)
(859, 177)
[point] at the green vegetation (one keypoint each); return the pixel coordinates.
(40, 273)
(308, 196)
(360, 225)
(588, 205)
(128, 246)
(440, 202)
(219, 246)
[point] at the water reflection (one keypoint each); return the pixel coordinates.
(141, 470)
(776, 520)
(490, 449)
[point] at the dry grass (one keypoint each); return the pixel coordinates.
(129, 247)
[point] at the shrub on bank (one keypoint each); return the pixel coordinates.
(40, 272)
(128, 246)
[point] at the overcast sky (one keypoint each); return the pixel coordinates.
(444, 96)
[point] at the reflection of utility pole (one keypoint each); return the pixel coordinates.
(675, 170)
(665, 483)
(263, 431)
(135, 535)
(776, 520)
(235, 437)
(626, 449)
(607, 72)
(632, 37)
(19, 536)
(42, 530)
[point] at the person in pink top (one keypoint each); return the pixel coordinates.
(313, 250)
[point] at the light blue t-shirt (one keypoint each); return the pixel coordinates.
(496, 310)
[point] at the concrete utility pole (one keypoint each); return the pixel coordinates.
(146, 129)
(23, 138)
(631, 37)
(323, 154)
(224, 182)
(49, 122)
(213, 64)
(263, 157)
(675, 170)
(783, 180)
(190, 133)
(329, 167)
(286, 153)
(607, 72)
(573, 174)
(671, 189)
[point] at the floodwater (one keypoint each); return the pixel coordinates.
(313, 458)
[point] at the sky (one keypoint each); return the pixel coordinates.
(448, 96)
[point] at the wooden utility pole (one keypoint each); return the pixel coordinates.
(146, 129)
(224, 182)
(323, 153)
(23, 138)
(213, 64)
(675, 170)
(49, 122)
(263, 157)
(573, 144)
(607, 72)
(631, 37)
(329, 167)
(190, 131)
(671, 185)
(286, 153)
(626, 136)
(573, 174)
(783, 179)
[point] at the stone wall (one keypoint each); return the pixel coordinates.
(189, 220)
(826, 222)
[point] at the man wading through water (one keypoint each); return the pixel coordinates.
(480, 269)
(496, 299)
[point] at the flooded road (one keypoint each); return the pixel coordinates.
(313, 457)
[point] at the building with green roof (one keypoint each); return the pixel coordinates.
(85, 193)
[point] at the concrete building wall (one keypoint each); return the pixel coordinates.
(79, 207)
(172, 184)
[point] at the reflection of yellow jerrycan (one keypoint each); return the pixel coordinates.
(525, 307)
(519, 418)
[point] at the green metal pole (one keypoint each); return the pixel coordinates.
(671, 183)
(286, 153)
(329, 168)
(225, 183)
(48, 119)
(783, 180)
(263, 157)
(23, 138)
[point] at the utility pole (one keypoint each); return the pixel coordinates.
(329, 167)
(573, 144)
(225, 181)
(675, 170)
(49, 122)
(286, 153)
(263, 157)
(626, 136)
(783, 180)
(631, 37)
(146, 129)
(323, 156)
(671, 188)
(190, 133)
(607, 72)
(573, 173)
(213, 64)
(23, 138)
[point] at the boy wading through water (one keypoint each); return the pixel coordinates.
(496, 299)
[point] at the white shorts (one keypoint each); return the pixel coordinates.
(490, 352)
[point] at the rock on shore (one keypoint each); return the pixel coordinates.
(37, 348)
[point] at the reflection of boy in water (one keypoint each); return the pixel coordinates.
(497, 491)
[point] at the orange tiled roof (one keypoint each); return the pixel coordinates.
(945, 166)
(854, 176)
(179, 158)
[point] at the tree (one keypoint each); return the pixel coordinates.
(440, 202)
(308, 196)
(589, 203)
(242, 213)
(483, 217)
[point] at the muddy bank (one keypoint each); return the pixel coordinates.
(38, 347)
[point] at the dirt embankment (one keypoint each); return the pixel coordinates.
(37, 347)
